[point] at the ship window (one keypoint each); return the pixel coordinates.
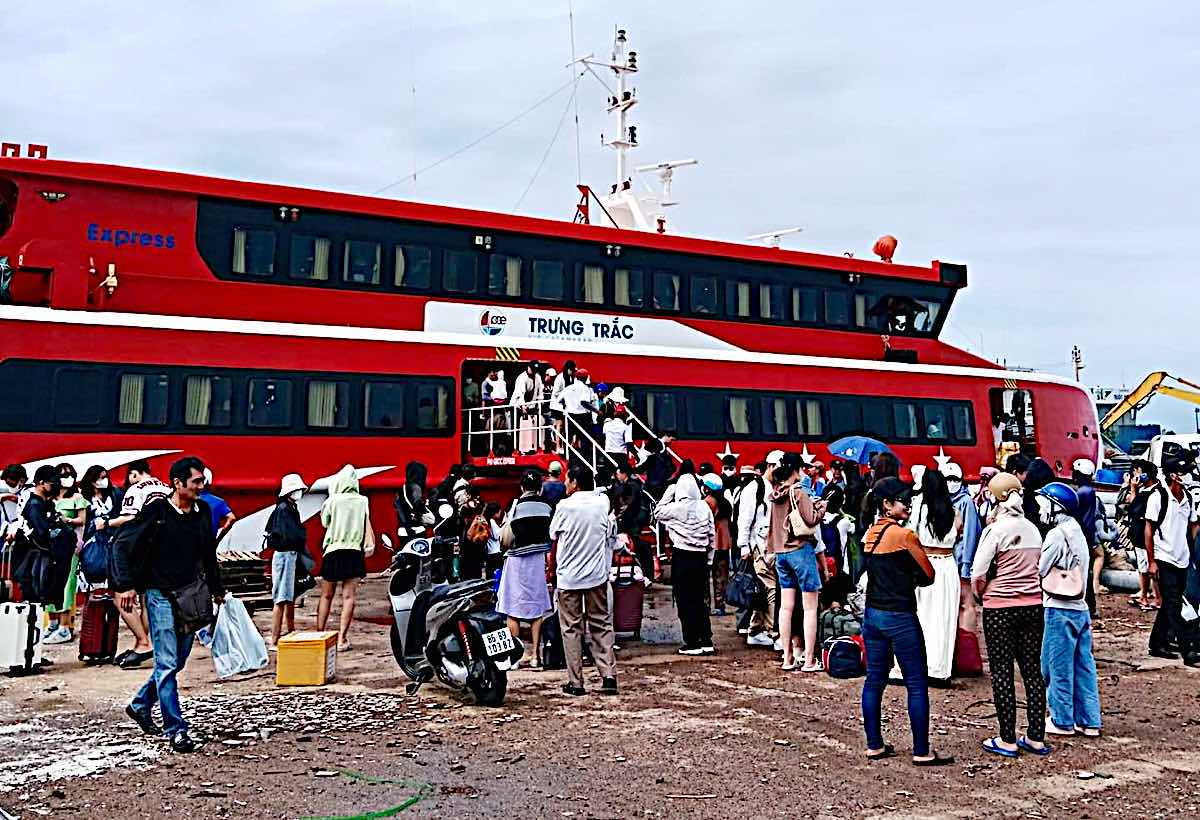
(629, 287)
(771, 303)
(270, 403)
(704, 294)
(433, 407)
(77, 397)
(384, 406)
(253, 252)
(143, 399)
(207, 401)
(328, 404)
(361, 262)
(548, 280)
(704, 413)
(737, 298)
(936, 420)
(808, 417)
(891, 313)
(926, 321)
(414, 267)
(960, 417)
(310, 258)
(904, 417)
(1013, 421)
(845, 417)
(804, 305)
(661, 412)
(775, 417)
(459, 271)
(666, 290)
(837, 307)
(739, 415)
(589, 284)
(504, 275)
(876, 421)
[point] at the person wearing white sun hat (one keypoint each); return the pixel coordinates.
(285, 534)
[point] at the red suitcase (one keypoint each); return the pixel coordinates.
(98, 633)
(628, 595)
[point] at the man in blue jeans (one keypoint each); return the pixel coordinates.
(163, 551)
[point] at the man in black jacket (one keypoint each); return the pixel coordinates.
(164, 551)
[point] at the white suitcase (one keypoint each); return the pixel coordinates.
(21, 636)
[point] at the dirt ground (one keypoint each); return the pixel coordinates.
(720, 737)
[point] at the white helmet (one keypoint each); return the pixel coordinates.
(1084, 466)
(952, 471)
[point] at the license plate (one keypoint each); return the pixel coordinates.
(498, 642)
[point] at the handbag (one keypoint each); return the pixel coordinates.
(745, 589)
(797, 527)
(192, 605)
(479, 532)
(1064, 584)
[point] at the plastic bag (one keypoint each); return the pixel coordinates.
(236, 645)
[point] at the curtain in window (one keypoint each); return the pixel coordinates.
(198, 400)
(742, 301)
(621, 286)
(239, 250)
(320, 268)
(739, 415)
(779, 416)
(810, 417)
(512, 276)
(322, 404)
(133, 398)
(593, 285)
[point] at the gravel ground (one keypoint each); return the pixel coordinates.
(720, 737)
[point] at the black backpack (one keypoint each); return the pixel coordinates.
(553, 656)
(1136, 515)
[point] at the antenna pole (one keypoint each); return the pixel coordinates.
(1077, 361)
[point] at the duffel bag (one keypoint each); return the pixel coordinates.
(844, 657)
(745, 590)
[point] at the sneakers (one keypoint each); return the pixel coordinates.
(1155, 652)
(719, 612)
(146, 722)
(761, 639)
(575, 691)
(58, 636)
(182, 743)
(708, 649)
(743, 630)
(691, 650)
(608, 686)
(777, 645)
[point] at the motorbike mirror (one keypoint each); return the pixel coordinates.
(445, 511)
(387, 542)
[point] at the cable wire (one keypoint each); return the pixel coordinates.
(574, 97)
(558, 129)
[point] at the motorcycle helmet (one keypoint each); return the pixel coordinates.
(1062, 496)
(1084, 466)
(712, 482)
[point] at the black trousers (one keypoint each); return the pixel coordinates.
(1015, 634)
(689, 577)
(1169, 620)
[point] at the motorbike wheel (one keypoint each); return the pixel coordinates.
(490, 687)
(397, 646)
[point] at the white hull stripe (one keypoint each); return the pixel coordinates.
(487, 345)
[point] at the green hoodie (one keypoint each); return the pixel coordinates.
(344, 514)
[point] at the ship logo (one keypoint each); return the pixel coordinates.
(492, 322)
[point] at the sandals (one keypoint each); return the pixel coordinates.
(788, 667)
(1090, 732)
(992, 744)
(888, 751)
(936, 760)
(1024, 743)
(816, 667)
(1053, 728)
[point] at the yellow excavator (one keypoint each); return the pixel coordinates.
(1153, 384)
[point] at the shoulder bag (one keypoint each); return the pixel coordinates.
(1064, 583)
(797, 527)
(192, 605)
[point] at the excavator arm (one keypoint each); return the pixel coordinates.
(1151, 385)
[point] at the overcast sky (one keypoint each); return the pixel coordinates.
(1052, 147)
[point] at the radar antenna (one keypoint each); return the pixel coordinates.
(773, 238)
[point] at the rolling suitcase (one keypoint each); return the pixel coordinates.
(98, 633)
(628, 596)
(20, 637)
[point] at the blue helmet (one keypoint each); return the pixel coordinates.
(1061, 495)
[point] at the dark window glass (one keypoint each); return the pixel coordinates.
(629, 287)
(775, 417)
(704, 294)
(845, 417)
(310, 258)
(143, 399)
(937, 421)
(960, 416)
(772, 302)
(433, 407)
(77, 397)
(898, 310)
(804, 306)
(459, 271)
(662, 412)
(328, 404)
(666, 290)
(362, 262)
(837, 308)
(589, 284)
(253, 251)
(737, 298)
(384, 406)
(738, 410)
(414, 267)
(504, 275)
(548, 280)
(877, 418)
(270, 403)
(704, 412)
(904, 416)
(207, 401)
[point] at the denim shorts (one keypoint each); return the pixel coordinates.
(797, 569)
(283, 577)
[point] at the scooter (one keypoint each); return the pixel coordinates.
(448, 631)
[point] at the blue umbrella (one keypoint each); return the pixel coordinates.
(858, 448)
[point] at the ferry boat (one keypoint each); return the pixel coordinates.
(273, 329)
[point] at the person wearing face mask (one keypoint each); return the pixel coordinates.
(72, 507)
(1067, 662)
(965, 546)
(12, 494)
(285, 534)
(1006, 577)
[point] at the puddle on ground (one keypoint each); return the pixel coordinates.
(56, 752)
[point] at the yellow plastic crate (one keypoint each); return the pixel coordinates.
(306, 659)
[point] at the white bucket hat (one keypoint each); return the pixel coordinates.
(617, 395)
(290, 483)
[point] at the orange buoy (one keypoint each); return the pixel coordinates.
(885, 247)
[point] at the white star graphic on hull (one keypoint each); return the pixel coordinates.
(942, 459)
(721, 456)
